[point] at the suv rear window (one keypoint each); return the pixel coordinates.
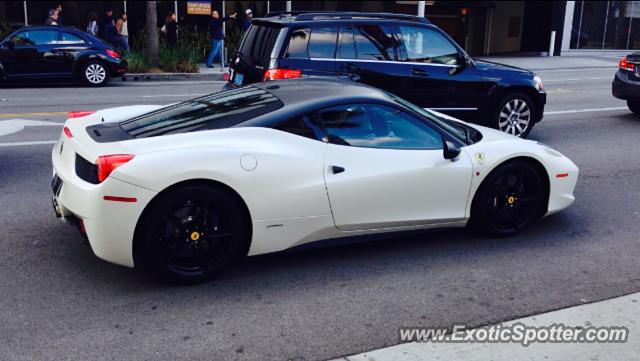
(317, 42)
(259, 41)
(215, 111)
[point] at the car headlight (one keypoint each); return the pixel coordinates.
(537, 81)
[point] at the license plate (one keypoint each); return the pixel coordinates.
(56, 185)
(237, 80)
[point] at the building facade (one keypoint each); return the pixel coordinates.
(481, 27)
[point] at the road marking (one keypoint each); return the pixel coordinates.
(11, 126)
(174, 95)
(584, 110)
(8, 115)
(573, 79)
(37, 142)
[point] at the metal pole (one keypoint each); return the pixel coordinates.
(552, 43)
(606, 20)
(24, 5)
(175, 9)
(125, 6)
(268, 7)
(224, 32)
(421, 6)
(630, 18)
(288, 6)
(580, 25)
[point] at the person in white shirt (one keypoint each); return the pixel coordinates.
(123, 33)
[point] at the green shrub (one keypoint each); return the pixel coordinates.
(138, 62)
(5, 28)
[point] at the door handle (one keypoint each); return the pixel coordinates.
(351, 67)
(419, 72)
(336, 170)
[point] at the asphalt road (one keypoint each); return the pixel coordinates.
(58, 301)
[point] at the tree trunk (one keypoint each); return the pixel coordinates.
(152, 33)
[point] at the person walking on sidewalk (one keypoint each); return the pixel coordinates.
(60, 21)
(92, 24)
(171, 28)
(53, 17)
(246, 23)
(123, 33)
(215, 27)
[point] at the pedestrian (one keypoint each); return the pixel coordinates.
(171, 29)
(92, 24)
(123, 33)
(109, 32)
(59, 10)
(53, 17)
(246, 23)
(217, 35)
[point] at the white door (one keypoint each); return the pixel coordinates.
(385, 168)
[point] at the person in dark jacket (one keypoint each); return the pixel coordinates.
(53, 18)
(215, 27)
(171, 26)
(60, 21)
(108, 31)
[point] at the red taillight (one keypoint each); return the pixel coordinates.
(562, 175)
(80, 113)
(113, 53)
(67, 132)
(625, 65)
(120, 199)
(108, 163)
(273, 74)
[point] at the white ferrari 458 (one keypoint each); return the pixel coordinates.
(190, 187)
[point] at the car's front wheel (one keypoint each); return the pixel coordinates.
(509, 199)
(94, 73)
(515, 115)
(634, 106)
(193, 232)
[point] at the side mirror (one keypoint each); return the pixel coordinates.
(450, 151)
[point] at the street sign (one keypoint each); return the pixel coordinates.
(199, 7)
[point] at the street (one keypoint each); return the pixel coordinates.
(59, 301)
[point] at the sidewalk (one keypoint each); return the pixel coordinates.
(621, 311)
(556, 62)
(204, 73)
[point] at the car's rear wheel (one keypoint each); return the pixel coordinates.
(509, 199)
(515, 115)
(634, 106)
(193, 232)
(94, 73)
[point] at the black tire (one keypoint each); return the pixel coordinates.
(634, 106)
(192, 233)
(509, 199)
(515, 115)
(94, 73)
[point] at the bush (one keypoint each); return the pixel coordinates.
(183, 59)
(138, 62)
(5, 28)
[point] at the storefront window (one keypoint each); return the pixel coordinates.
(605, 25)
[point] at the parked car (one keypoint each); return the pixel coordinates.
(403, 54)
(38, 52)
(191, 187)
(626, 82)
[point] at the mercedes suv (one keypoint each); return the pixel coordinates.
(402, 54)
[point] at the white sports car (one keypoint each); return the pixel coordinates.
(190, 187)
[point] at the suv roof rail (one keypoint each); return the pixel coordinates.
(330, 15)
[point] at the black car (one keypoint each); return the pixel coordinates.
(405, 55)
(58, 52)
(626, 83)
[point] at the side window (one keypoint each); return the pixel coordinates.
(346, 46)
(298, 43)
(69, 39)
(375, 42)
(39, 37)
(378, 126)
(301, 126)
(322, 43)
(426, 46)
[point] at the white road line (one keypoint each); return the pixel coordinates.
(19, 144)
(174, 95)
(573, 79)
(583, 110)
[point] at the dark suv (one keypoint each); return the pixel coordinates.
(405, 55)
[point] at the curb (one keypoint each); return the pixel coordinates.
(135, 77)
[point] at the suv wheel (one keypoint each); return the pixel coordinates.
(94, 73)
(515, 115)
(634, 106)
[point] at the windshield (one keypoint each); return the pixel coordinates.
(461, 132)
(215, 111)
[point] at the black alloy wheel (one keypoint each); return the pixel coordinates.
(509, 199)
(194, 232)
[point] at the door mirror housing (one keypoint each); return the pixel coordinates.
(450, 151)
